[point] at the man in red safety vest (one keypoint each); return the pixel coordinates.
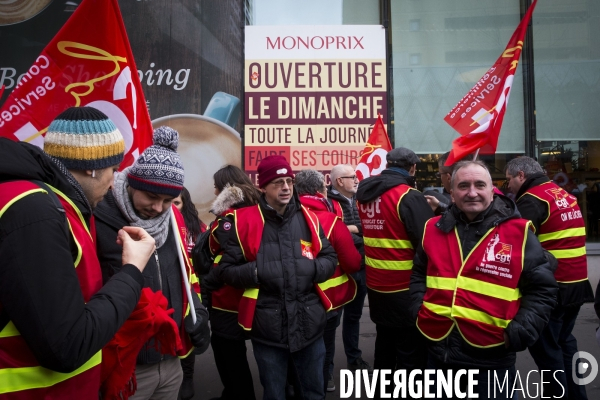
(560, 228)
(55, 316)
(482, 288)
(280, 254)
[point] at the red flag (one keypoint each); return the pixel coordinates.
(88, 63)
(479, 114)
(372, 160)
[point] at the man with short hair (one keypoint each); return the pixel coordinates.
(340, 289)
(143, 196)
(393, 214)
(560, 227)
(55, 316)
(481, 286)
(279, 254)
(440, 202)
(344, 185)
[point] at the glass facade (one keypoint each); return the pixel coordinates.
(438, 50)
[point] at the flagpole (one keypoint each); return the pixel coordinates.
(476, 154)
(184, 274)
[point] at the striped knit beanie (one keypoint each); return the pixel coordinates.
(158, 169)
(84, 138)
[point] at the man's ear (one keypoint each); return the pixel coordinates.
(89, 172)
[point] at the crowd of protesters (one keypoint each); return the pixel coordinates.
(115, 300)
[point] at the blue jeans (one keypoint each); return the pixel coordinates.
(352, 314)
(329, 339)
(554, 351)
(273, 367)
(485, 380)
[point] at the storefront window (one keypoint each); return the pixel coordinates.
(567, 96)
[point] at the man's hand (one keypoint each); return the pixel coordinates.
(352, 228)
(200, 332)
(433, 202)
(137, 245)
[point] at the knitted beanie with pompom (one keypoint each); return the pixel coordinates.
(158, 169)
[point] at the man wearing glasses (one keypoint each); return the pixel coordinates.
(278, 254)
(344, 185)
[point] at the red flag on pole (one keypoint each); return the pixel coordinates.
(82, 66)
(479, 114)
(372, 160)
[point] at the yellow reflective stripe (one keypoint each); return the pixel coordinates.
(569, 253)
(479, 316)
(251, 293)
(438, 309)
(218, 259)
(488, 289)
(436, 282)
(9, 330)
(19, 197)
(16, 379)
(566, 233)
(68, 200)
(193, 279)
(328, 284)
(389, 265)
(388, 243)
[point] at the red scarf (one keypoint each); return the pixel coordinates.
(150, 318)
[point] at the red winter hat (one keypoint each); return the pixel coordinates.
(271, 168)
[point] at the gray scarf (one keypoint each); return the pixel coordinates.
(157, 227)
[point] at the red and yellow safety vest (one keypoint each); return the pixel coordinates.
(476, 292)
(21, 376)
(341, 288)
(388, 251)
(563, 232)
(182, 243)
(226, 298)
(249, 226)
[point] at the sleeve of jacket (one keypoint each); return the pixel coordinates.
(348, 257)
(40, 292)
(538, 297)
(533, 209)
(326, 260)
(415, 211)
(235, 270)
(418, 281)
(219, 239)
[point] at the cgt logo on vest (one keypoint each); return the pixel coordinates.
(497, 251)
(371, 208)
(560, 198)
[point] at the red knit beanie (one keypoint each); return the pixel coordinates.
(271, 168)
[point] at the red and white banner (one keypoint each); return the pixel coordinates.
(372, 160)
(479, 114)
(88, 63)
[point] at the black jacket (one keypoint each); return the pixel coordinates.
(351, 217)
(289, 313)
(39, 289)
(537, 285)
(109, 220)
(222, 323)
(536, 210)
(392, 309)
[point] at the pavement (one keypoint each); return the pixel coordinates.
(208, 385)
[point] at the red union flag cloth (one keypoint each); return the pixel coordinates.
(88, 63)
(479, 114)
(372, 160)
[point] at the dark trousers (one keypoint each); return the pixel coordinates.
(554, 351)
(486, 387)
(399, 348)
(352, 314)
(233, 368)
(329, 340)
(187, 365)
(273, 369)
